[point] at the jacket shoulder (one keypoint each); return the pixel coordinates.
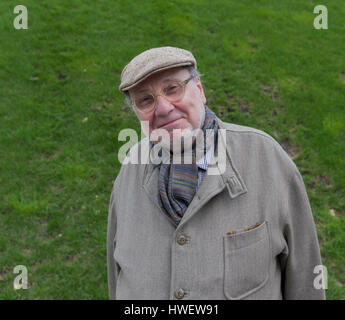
(236, 128)
(245, 137)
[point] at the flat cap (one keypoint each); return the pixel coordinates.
(151, 61)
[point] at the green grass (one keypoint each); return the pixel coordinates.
(264, 66)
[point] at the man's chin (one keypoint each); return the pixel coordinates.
(177, 139)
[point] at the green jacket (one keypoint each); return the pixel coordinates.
(248, 233)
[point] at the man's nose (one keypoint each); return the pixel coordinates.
(163, 106)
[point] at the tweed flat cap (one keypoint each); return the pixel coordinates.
(151, 61)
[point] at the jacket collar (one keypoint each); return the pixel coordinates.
(211, 184)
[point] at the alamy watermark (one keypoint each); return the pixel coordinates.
(20, 21)
(321, 20)
(321, 280)
(174, 147)
(20, 281)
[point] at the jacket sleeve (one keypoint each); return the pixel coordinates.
(113, 268)
(301, 252)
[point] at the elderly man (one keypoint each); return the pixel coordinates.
(175, 231)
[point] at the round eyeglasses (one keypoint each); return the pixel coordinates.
(172, 91)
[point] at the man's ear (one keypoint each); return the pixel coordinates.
(129, 96)
(201, 89)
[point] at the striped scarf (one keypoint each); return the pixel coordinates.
(177, 183)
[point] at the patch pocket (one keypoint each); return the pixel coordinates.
(246, 261)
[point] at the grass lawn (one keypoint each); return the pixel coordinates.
(264, 66)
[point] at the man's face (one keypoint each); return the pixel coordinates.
(183, 114)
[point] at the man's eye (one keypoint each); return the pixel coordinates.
(145, 100)
(171, 89)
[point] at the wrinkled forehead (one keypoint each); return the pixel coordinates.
(160, 78)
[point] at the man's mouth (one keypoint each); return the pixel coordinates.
(170, 125)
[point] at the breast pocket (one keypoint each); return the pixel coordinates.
(246, 261)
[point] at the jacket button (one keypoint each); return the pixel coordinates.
(181, 240)
(179, 293)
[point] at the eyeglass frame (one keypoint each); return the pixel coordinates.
(183, 83)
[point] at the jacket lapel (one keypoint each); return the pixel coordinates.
(211, 184)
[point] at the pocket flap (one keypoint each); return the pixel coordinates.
(241, 238)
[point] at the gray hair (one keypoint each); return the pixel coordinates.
(192, 71)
